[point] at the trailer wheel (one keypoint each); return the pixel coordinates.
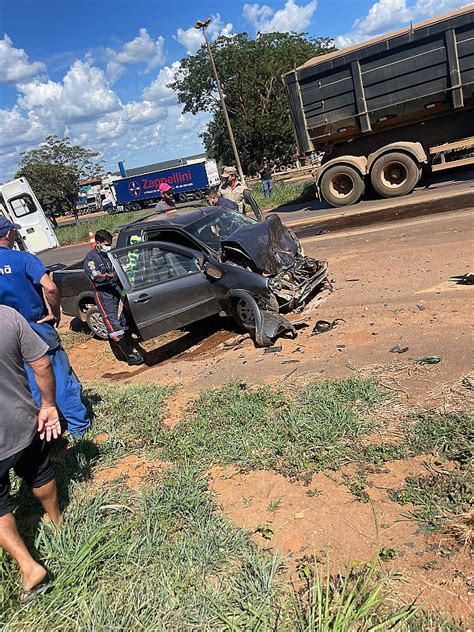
(342, 185)
(395, 174)
(182, 197)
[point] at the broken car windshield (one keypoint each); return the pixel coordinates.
(213, 228)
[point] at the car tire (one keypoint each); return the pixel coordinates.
(243, 314)
(96, 323)
(395, 174)
(342, 185)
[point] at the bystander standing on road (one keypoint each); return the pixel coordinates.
(231, 188)
(25, 438)
(167, 202)
(265, 172)
(108, 296)
(214, 199)
(24, 285)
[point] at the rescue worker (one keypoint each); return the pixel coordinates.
(214, 199)
(231, 188)
(167, 202)
(26, 286)
(108, 295)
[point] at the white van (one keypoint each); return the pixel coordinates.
(20, 205)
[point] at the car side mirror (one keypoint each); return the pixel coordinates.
(211, 271)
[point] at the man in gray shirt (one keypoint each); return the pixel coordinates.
(25, 436)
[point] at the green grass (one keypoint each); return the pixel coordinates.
(450, 436)
(437, 498)
(167, 559)
(440, 496)
(71, 339)
(261, 428)
(75, 234)
(285, 193)
(131, 415)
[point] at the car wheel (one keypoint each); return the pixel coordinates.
(96, 323)
(243, 313)
(395, 174)
(342, 185)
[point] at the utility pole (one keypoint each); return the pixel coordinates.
(203, 24)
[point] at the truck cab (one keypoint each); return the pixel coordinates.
(20, 205)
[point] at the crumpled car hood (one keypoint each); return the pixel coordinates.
(271, 246)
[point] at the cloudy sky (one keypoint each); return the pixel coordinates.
(97, 70)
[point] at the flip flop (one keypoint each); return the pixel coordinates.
(30, 595)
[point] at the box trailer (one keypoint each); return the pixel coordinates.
(387, 110)
(187, 182)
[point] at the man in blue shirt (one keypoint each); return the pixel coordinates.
(24, 285)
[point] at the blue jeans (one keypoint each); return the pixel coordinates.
(68, 392)
(267, 188)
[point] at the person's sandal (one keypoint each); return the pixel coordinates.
(30, 595)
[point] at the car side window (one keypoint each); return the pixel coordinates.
(149, 266)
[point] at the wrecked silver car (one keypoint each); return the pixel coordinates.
(182, 266)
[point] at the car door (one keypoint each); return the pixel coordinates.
(165, 285)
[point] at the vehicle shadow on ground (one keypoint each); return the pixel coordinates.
(205, 336)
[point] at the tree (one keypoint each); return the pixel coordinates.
(251, 72)
(54, 171)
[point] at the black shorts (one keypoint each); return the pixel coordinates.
(32, 464)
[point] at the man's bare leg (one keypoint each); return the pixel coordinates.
(10, 540)
(48, 497)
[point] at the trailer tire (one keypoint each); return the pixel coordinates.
(342, 185)
(395, 174)
(135, 206)
(198, 195)
(182, 197)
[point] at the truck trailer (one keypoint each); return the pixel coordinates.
(188, 182)
(388, 110)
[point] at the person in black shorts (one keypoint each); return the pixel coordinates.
(26, 432)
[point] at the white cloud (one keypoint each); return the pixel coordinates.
(192, 39)
(14, 64)
(142, 48)
(385, 15)
(292, 17)
(158, 90)
(84, 106)
(84, 94)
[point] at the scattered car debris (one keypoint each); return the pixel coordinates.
(463, 279)
(420, 306)
(398, 349)
(290, 361)
(275, 349)
(428, 359)
(349, 280)
(322, 326)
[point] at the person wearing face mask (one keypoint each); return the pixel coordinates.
(26, 286)
(108, 296)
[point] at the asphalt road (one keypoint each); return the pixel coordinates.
(439, 194)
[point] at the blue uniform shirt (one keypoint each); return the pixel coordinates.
(20, 275)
